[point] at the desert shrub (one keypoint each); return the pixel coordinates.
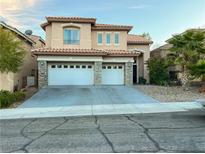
(158, 71)
(142, 80)
(19, 96)
(7, 98)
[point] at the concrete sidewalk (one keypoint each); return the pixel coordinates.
(86, 110)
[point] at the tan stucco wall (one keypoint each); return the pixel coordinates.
(159, 53)
(6, 81)
(88, 37)
(142, 66)
(54, 35)
(143, 48)
(122, 40)
(29, 64)
(48, 36)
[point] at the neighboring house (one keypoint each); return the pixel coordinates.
(161, 51)
(164, 51)
(27, 74)
(81, 52)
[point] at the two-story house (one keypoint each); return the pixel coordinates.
(81, 52)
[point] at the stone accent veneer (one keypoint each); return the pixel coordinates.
(128, 74)
(42, 74)
(97, 73)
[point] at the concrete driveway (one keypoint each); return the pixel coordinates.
(55, 96)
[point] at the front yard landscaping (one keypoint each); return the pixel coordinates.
(7, 98)
(171, 94)
(14, 99)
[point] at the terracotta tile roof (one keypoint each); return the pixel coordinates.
(19, 33)
(122, 53)
(85, 20)
(36, 38)
(137, 39)
(67, 19)
(111, 27)
(68, 51)
(83, 52)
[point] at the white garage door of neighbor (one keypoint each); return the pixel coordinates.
(113, 74)
(70, 74)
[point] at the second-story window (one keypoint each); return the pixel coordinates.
(108, 38)
(100, 38)
(116, 38)
(71, 36)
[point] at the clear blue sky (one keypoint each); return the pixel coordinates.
(161, 18)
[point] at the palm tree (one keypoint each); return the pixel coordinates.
(188, 48)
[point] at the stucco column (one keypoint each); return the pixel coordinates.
(128, 73)
(42, 74)
(146, 71)
(97, 73)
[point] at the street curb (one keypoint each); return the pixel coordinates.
(92, 110)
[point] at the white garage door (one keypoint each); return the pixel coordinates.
(113, 74)
(70, 74)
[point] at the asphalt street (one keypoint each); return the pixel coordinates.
(164, 132)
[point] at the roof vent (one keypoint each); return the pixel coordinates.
(28, 32)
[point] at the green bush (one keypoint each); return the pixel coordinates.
(19, 96)
(158, 71)
(142, 80)
(7, 98)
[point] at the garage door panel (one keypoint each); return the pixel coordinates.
(113, 75)
(71, 76)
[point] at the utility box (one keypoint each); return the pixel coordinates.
(30, 81)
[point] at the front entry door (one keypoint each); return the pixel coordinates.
(134, 73)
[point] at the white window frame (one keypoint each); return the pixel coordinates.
(72, 28)
(97, 38)
(117, 44)
(106, 38)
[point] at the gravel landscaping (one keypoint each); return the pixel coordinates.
(171, 94)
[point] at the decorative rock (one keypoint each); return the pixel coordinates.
(42, 74)
(128, 73)
(97, 73)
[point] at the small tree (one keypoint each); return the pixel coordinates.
(11, 52)
(158, 71)
(147, 36)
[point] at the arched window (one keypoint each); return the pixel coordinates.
(71, 35)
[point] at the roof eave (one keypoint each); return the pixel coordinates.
(128, 29)
(67, 54)
(18, 32)
(140, 43)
